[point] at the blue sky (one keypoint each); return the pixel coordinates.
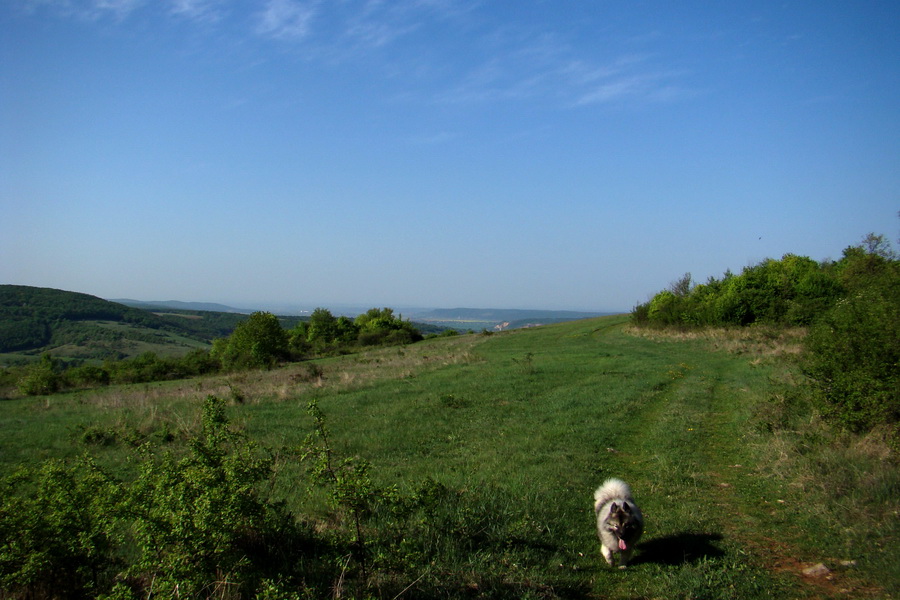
(517, 154)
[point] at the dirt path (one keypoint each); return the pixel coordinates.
(753, 520)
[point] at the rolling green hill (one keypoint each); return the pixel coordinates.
(72, 325)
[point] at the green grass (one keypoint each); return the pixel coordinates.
(522, 426)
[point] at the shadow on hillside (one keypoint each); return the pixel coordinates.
(678, 549)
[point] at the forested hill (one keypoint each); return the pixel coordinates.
(36, 319)
(28, 315)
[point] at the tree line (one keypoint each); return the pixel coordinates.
(851, 308)
(260, 341)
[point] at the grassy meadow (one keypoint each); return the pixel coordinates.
(740, 487)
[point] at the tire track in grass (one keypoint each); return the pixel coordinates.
(740, 489)
(699, 455)
(689, 547)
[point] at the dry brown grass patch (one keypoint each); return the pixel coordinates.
(759, 342)
(294, 380)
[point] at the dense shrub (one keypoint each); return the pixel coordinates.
(87, 376)
(59, 540)
(852, 354)
(381, 326)
(792, 291)
(378, 326)
(201, 524)
(41, 378)
(192, 527)
(258, 342)
(141, 369)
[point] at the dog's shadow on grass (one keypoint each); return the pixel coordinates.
(678, 549)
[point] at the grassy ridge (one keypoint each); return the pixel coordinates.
(524, 425)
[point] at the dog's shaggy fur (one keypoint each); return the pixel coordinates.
(619, 521)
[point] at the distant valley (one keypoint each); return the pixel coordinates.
(476, 319)
(80, 327)
(494, 319)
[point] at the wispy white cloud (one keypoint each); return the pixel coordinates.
(615, 89)
(85, 9)
(375, 33)
(286, 19)
(480, 58)
(117, 6)
(198, 10)
(543, 67)
(634, 81)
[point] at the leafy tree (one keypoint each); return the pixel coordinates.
(376, 318)
(298, 339)
(260, 341)
(346, 331)
(322, 328)
(380, 326)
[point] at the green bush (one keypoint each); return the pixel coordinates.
(57, 526)
(201, 524)
(852, 354)
(191, 527)
(852, 307)
(86, 376)
(41, 378)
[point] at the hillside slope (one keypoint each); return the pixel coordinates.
(501, 440)
(76, 325)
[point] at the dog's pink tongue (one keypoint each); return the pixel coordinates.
(622, 545)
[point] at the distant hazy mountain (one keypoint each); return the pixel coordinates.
(502, 314)
(178, 305)
(498, 319)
